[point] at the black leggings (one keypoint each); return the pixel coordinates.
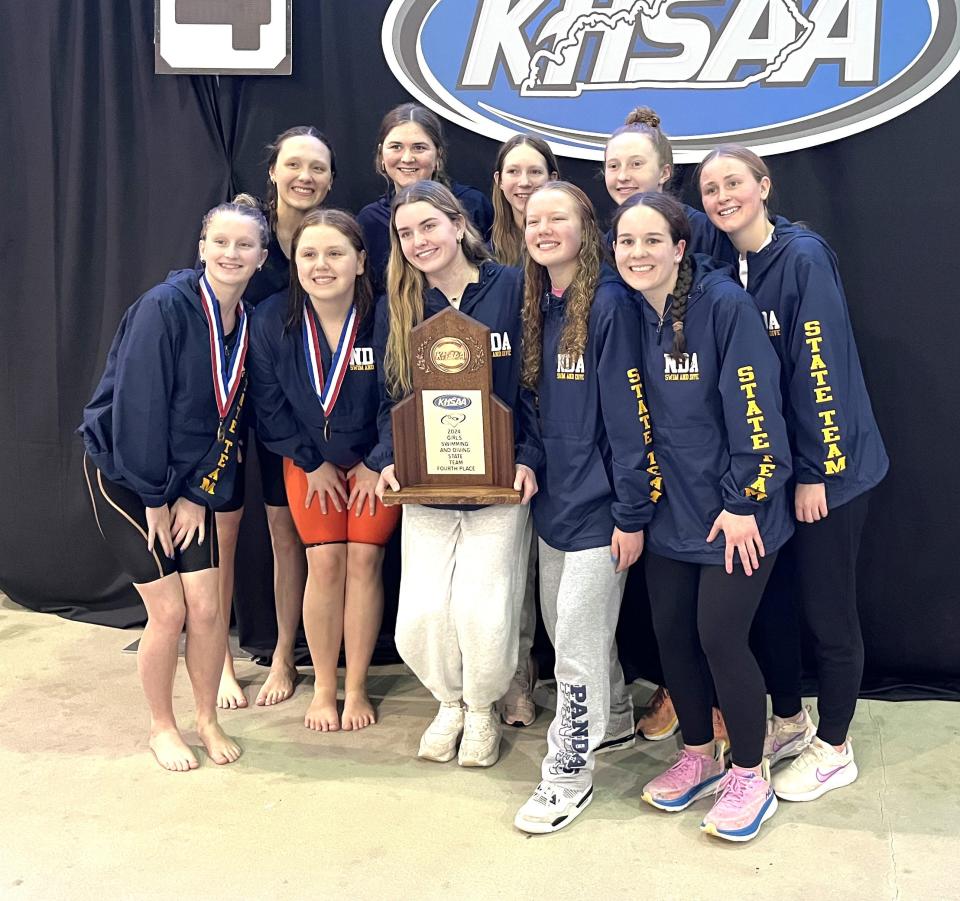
(822, 563)
(702, 617)
(122, 521)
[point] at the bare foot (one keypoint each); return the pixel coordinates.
(357, 710)
(321, 715)
(220, 747)
(171, 751)
(230, 694)
(279, 684)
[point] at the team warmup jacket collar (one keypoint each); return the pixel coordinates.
(594, 427)
(718, 430)
(289, 417)
(495, 300)
(796, 284)
(374, 219)
(154, 415)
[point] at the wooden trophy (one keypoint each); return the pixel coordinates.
(453, 437)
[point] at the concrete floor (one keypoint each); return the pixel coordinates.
(88, 814)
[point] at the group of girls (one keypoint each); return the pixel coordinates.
(687, 382)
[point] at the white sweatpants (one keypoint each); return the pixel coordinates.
(580, 595)
(461, 588)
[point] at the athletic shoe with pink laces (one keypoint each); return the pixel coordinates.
(691, 777)
(745, 801)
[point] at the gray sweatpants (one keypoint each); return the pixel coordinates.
(580, 595)
(461, 589)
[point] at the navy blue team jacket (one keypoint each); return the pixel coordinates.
(834, 436)
(374, 219)
(495, 300)
(289, 417)
(594, 427)
(153, 415)
(718, 430)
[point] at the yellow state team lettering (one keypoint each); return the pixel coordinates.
(754, 415)
(635, 383)
(835, 461)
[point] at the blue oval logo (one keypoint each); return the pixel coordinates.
(776, 75)
(451, 402)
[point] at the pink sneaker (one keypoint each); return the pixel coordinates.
(692, 777)
(745, 802)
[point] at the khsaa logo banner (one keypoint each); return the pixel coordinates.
(776, 75)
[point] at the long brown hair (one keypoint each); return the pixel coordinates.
(344, 223)
(406, 284)
(507, 236)
(298, 131)
(679, 226)
(429, 122)
(579, 295)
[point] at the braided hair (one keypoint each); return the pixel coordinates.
(679, 225)
(678, 309)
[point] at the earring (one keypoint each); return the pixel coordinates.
(203, 261)
(459, 238)
(259, 267)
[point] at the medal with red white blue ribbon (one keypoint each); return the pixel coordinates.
(328, 388)
(227, 367)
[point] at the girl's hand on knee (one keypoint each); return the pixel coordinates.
(364, 489)
(388, 479)
(741, 533)
(158, 528)
(811, 502)
(526, 481)
(188, 519)
(325, 480)
(625, 548)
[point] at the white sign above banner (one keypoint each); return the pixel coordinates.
(776, 75)
(223, 37)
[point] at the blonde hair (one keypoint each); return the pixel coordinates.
(507, 236)
(406, 284)
(580, 293)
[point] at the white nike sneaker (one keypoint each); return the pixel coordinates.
(819, 769)
(786, 738)
(552, 806)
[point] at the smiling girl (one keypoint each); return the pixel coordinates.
(721, 443)
(838, 457)
(314, 387)
(639, 158)
(581, 354)
(159, 457)
(411, 148)
(300, 169)
(463, 568)
(524, 162)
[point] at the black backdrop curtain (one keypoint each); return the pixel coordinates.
(108, 169)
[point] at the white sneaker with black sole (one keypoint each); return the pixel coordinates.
(552, 806)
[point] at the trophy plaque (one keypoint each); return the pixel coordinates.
(452, 437)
